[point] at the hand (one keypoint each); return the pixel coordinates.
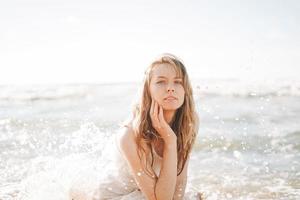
(159, 123)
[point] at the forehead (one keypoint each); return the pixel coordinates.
(166, 70)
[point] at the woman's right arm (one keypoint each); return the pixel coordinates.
(164, 187)
(166, 183)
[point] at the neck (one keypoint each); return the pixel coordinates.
(168, 115)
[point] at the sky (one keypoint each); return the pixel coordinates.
(64, 41)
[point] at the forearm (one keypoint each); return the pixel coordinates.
(165, 185)
(180, 190)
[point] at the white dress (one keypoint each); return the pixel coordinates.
(114, 181)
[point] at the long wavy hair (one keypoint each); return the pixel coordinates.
(184, 123)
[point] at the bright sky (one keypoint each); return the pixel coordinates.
(59, 41)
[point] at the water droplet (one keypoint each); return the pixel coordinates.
(216, 117)
(237, 154)
(267, 169)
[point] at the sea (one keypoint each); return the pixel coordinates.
(247, 147)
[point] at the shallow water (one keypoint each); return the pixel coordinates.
(248, 145)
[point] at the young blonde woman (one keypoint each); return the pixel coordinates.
(154, 147)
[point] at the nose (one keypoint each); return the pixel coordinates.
(170, 88)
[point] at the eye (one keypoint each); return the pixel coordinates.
(160, 82)
(178, 82)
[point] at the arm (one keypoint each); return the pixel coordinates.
(165, 186)
(181, 183)
(161, 189)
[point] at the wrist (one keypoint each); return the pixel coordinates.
(170, 138)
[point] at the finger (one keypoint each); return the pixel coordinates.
(155, 109)
(152, 107)
(152, 113)
(155, 115)
(161, 114)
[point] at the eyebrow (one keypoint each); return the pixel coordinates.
(167, 78)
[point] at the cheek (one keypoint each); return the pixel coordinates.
(181, 94)
(158, 87)
(154, 91)
(180, 90)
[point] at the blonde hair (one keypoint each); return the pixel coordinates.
(185, 121)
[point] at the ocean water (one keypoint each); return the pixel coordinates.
(248, 145)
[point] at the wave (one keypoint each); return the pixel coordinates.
(42, 92)
(254, 89)
(210, 88)
(61, 92)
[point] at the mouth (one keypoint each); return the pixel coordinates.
(170, 98)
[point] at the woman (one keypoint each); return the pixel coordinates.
(156, 143)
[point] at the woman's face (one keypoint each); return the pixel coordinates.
(166, 88)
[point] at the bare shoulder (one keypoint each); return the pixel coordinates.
(129, 148)
(126, 139)
(128, 145)
(127, 142)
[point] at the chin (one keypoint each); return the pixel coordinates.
(170, 107)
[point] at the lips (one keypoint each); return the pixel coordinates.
(170, 98)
